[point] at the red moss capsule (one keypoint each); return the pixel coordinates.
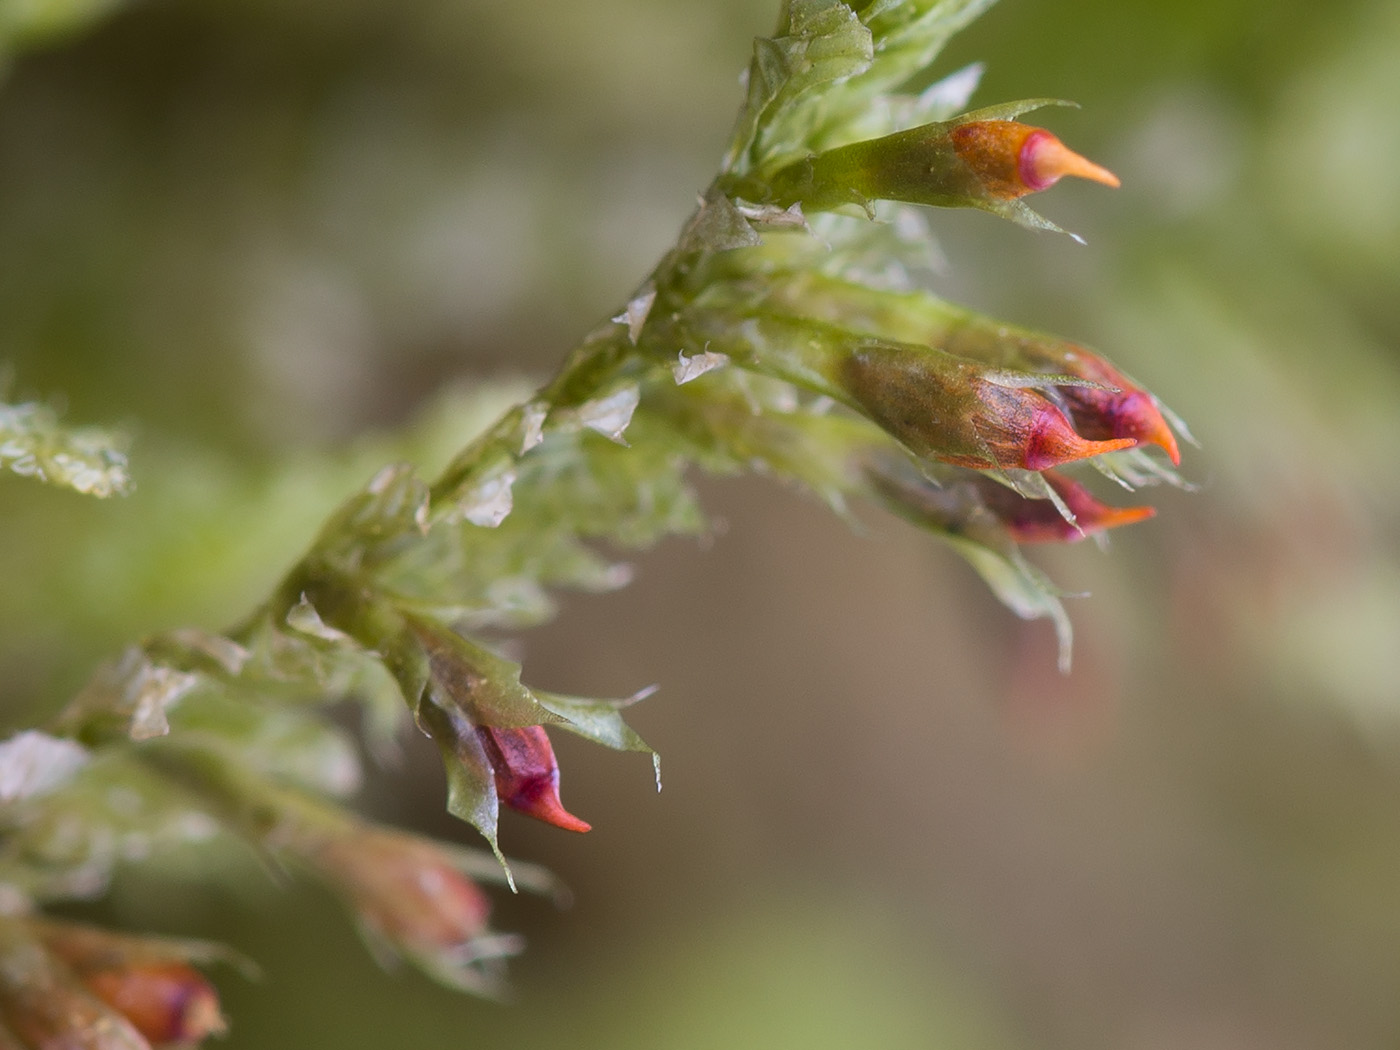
(1040, 521)
(982, 509)
(965, 163)
(527, 774)
(1115, 407)
(1124, 411)
(46, 1007)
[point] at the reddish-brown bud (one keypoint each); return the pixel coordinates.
(952, 410)
(527, 774)
(1114, 408)
(965, 163)
(404, 889)
(1040, 521)
(46, 1007)
(166, 1001)
(978, 507)
(146, 980)
(1011, 159)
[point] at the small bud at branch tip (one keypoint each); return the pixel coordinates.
(1010, 159)
(167, 1002)
(1044, 160)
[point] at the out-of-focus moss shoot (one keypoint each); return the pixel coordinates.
(954, 164)
(146, 980)
(527, 774)
(405, 890)
(47, 1008)
(168, 1002)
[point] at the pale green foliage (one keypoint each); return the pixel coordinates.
(858, 56)
(723, 359)
(33, 443)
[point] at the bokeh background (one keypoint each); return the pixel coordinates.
(265, 235)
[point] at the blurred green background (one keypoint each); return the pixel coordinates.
(265, 234)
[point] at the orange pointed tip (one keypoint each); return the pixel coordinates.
(1091, 516)
(1045, 521)
(569, 822)
(538, 797)
(1114, 445)
(1164, 439)
(1161, 435)
(1113, 517)
(1044, 160)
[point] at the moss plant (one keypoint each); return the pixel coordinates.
(783, 334)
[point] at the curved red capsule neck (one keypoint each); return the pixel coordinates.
(1040, 521)
(1052, 441)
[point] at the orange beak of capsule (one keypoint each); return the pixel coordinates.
(1011, 159)
(1044, 160)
